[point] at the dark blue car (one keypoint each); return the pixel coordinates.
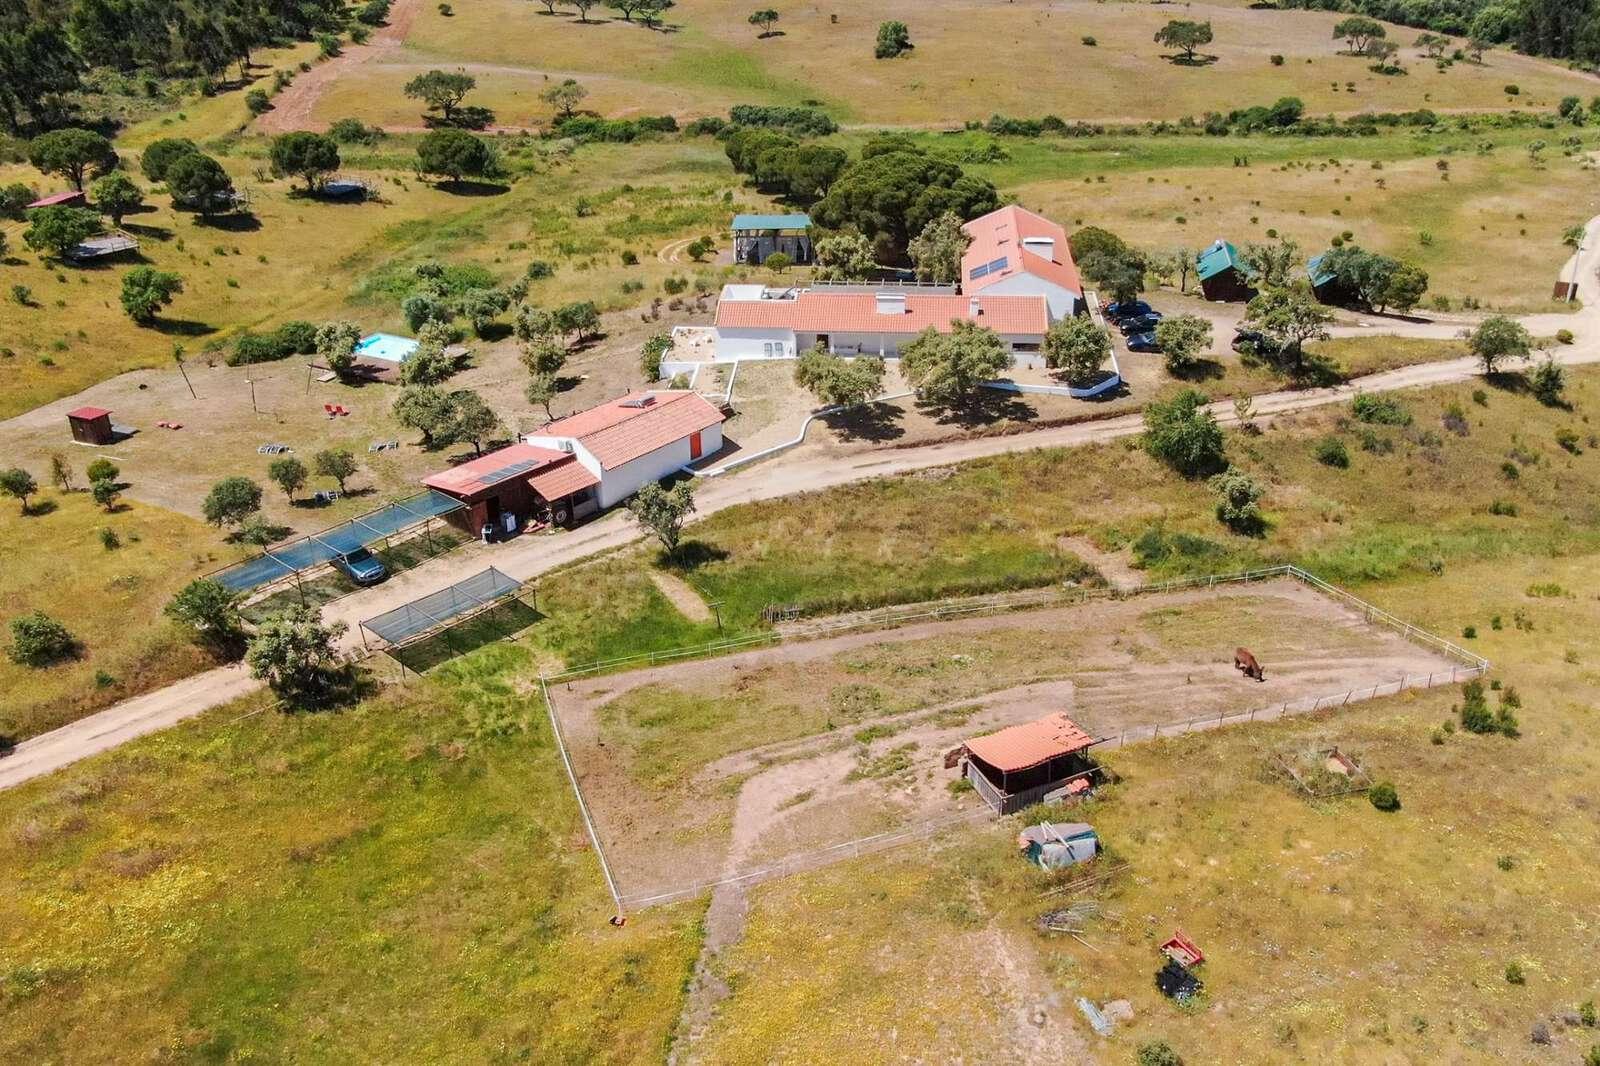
(1130, 309)
(1143, 342)
(362, 567)
(1139, 323)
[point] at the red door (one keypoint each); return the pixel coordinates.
(694, 446)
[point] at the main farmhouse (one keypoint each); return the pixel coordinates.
(1017, 277)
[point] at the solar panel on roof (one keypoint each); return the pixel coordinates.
(999, 264)
(979, 271)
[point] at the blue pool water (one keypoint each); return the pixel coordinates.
(385, 346)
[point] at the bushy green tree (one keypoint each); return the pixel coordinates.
(105, 493)
(1186, 35)
(116, 195)
(1358, 32)
(199, 183)
(159, 155)
(337, 463)
(336, 345)
(442, 90)
(311, 157)
(947, 369)
(289, 474)
(894, 189)
(835, 380)
(1182, 339)
(425, 409)
(766, 18)
(146, 290)
(103, 469)
(231, 501)
(58, 229)
(1078, 348)
(662, 512)
(894, 39)
(430, 363)
(655, 348)
(295, 652)
(1289, 317)
(38, 640)
(936, 252)
(1497, 339)
(844, 257)
(565, 96)
(1548, 382)
(1238, 497)
(1384, 797)
(73, 153)
(471, 420)
(455, 154)
(19, 485)
(210, 608)
(1183, 434)
(1273, 264)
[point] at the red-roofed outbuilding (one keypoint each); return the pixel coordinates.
(91, 425)
(1019, 765)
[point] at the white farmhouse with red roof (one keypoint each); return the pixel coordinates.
(584, 463)
(1016, 278)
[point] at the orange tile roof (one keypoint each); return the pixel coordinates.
(1021, 746)
(999, 235)
(636, 424)
(562, 479)
(486, 471)
(857, 312)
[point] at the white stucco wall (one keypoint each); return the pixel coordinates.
(1063, 303)
(621, 482)
(750, 343)
(888, 344)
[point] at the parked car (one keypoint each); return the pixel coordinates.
(1254, 341)
(1130, 309)
(1139, 323)
(362, 567)
(1143, 342)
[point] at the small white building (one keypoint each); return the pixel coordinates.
(636, 439)
(755, 322)
(1016, 252)
(584, 463)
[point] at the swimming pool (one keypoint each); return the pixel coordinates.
(385, 346)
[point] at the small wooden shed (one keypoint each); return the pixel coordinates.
(91, 425)
(1222, 274)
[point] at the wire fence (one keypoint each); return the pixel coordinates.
(1470, 666)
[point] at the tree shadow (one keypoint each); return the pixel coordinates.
(40, 508)
(1200, 370)
(691, 555)
(1514, 382)
(495, 331)
(986, 407)
(154, 233)
(1199, 59)
(467, 117)
(770, 33)
(876, 422)
(182, 327)
(470, 187)
(237, 222)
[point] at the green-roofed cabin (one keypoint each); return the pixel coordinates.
(1222, 275)
(757, 236)
(1324, 283)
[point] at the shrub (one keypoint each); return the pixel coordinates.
(103, 470)
(1513, 90)
(257, 101)
(1384, 797)
(1475, 714)
(1564, 336)
(1568, 438)
(1238, 507)
(1514, 974)
(630, 258)
(109, 539)
(39, 640)
(1183, 434)
(893, 39)
(1157, 1053)
(1330, 451)
(1469, 632)
(538, 269)
(798, 120)
(1503, 508)
(1089, 42)
(1379, 410)
(1277, 61)
(354, 131)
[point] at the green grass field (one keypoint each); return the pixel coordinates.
(402, 881)
(110, 600)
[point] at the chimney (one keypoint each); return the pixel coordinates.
(1044, 247)
(890, 303)
(974, 308)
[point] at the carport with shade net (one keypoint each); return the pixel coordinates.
(438, 611)
(318, 549)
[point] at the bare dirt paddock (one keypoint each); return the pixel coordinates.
(716, 768)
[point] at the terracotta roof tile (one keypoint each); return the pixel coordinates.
(1021, 746)
(562, 479)
(636, 424)
(999, 235)
(857, 312)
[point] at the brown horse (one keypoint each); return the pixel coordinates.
(1243, 660)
